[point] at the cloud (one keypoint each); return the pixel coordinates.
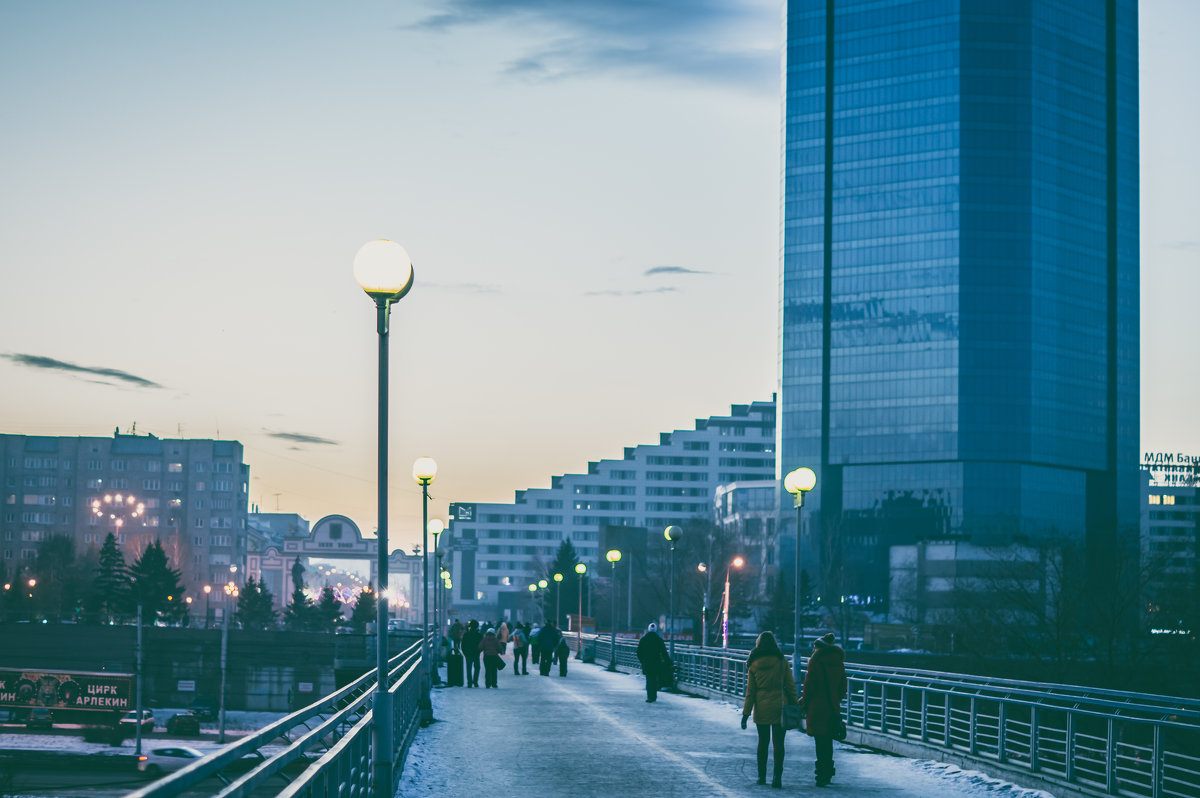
(1186, 246)
(639, 292)
(465, 288)
(710, 41)
(49, 363)
(673, 270)
(300, 437)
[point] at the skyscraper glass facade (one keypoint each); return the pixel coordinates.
(960, 274)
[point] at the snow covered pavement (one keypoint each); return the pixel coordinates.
(593, 734)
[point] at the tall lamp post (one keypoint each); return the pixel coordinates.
(613, 558)
(542, 585)
(580, 569)
(207, 592)
(231, 595)
(798, 483)
(384, 271)
(736, 562)
(704, 569)
(558, 600)
(435, 528)
(672, 534)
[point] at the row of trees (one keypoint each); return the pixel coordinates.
(99, 586)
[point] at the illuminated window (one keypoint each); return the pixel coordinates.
(1155, 499)
(1168, 499)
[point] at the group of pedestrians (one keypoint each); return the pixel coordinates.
(484, 648)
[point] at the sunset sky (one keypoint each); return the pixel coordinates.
(589, 192)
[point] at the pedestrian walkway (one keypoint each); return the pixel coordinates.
(593, 734)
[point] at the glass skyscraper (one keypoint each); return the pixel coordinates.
(959, 290)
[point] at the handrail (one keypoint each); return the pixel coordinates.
(335, 709)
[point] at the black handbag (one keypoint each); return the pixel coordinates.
(793, 714)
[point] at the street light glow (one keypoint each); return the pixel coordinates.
(383, 268)
(800, 480)
(613, 556)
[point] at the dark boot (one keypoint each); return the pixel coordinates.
(825, 771)
(777, 779)
(762, 769)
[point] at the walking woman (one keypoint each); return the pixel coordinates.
(769, 685)
(824, 689)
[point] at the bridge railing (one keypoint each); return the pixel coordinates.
(328, 742)
(1100, 742)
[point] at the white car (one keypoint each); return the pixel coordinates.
(167, 760)
(130, 720)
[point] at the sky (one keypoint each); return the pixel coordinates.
(589, 193)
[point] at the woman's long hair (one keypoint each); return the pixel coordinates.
(765, 646)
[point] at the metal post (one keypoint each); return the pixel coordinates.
(137, 750)
(381, 728)
(224, 655)
(426, 683)
(579, 626)
(612, 656)
(797, 623)
(671, 609)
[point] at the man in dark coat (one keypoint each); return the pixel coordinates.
(470, 649)
(824, 689)
(656, 663)
(547, 641)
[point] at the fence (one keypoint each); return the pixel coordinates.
(1098, 742)
(329, 743)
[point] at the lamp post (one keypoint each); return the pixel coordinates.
(384, 271)
(797, 483)
(580, 569)
(704, 569)
(672, 534)
(207, 592)
(736, 562)
(613, 558)
(532, 596)
(558, 599)
(435, 528)
(231, 594)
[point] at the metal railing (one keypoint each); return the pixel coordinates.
(1100, 742)
(329, 742)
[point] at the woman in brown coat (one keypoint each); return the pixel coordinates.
(824, 689)
(769, 684)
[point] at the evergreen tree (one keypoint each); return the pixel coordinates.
(299, 615)
(567, 600)
(365, 609)
(110, 588)
(255, 608)
(328, 612)
(157, 587)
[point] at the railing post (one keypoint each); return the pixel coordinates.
(924, 715)
(1001, 732)
(1156, 767)
(904, 711)
(883, 724)
(973, 728)
(949, 740)
(1110, 759)
(1069, 748)
(1035, 733)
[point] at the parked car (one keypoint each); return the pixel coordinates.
(167, 760)
(39, 718)
(130, 720)
(203, 709)
(183, 723)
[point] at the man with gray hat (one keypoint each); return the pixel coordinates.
(656, 663)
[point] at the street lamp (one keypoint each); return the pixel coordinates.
(737, 562)
(797, 483)
(207, 592)
(231, 594)
(557, 599)
(580, 569)
(435, 528)
(704, 569)
(613, 558)
(672, 534)
(384, 271)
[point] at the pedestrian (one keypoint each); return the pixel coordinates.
(470, 649)
(490, 649)
(769, 685)
(503, 635)
(656, 663)
(562, 653)
(534, 651)
(456, 633)
(520, 642)
(547, 640)
(824, 689)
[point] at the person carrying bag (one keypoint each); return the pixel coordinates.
(824, 689)
(770, 689)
